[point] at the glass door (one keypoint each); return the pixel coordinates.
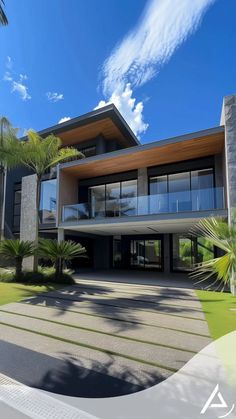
(146, 254)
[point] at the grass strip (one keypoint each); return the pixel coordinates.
(87, 329)
(121, 320)
(169, 295)
(95, 348)
(113, 305)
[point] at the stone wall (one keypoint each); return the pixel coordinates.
(28, 221)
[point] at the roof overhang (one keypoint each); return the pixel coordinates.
(186, 147)
(106, 121)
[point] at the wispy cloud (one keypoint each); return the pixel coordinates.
(54, 96)
(163, 27)
(17, 81)
(64, 119)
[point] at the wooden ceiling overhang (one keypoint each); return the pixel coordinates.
(182, 148)
(106, 122)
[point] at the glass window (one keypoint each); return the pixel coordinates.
(205, 250)
(113, 199)
(202, 182)
(179, 192)
(128, 204)
(47, 207)
(89, 151)
(17, 208)
(158, 195)
(183, 259)
(97, 197)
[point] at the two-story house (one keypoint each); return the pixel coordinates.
(131, 205)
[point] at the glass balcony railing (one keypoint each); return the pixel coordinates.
(173, 202)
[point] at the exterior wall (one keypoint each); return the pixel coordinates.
(228, 118)
(67, 192)
(13, 176)
(28, 222)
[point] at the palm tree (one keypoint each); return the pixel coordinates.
(5, 128)
(17, 250)
(59, 252)
(3, 18)
(223, 268)
(39, 155)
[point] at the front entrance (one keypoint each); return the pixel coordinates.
(138, 252)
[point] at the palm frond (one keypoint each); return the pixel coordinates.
(3, 17)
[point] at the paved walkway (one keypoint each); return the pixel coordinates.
(101, 338)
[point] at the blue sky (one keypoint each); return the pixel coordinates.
(67, 56)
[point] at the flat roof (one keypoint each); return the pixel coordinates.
(185, 147)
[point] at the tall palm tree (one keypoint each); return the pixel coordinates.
(223, 268)
(5, 129)
(37, 154)
(3, 18)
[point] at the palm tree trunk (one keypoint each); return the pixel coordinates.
(18, 262)
(38, 192)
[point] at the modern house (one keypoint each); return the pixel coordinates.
(131, 205)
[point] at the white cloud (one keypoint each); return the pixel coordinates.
(21, 89)
(9, 63)
(125, 103)
(163, 27)
(7, 76)
(17, 82)
(54, 97)
(64, 119)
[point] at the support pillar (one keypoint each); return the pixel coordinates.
(228, 119)
(28, 220)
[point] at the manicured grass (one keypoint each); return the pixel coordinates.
(12, 292)
(217, 308)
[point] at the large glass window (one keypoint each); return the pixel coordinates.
(47, 207)
(97, 199)
(179, 192)
(202, 189)
(158, 194)
(114, 199)
(189, 250)
(128, 205)
(186, 191)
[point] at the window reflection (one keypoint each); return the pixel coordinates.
(114, 199)
(47, 207)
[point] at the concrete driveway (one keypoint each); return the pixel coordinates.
(102, 337)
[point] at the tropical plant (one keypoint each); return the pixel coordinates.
(3, 17)
(38, 155)
(5, 132)
(17, 250)
(222, 235)
(59, 252)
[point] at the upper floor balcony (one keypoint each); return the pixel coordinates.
(168, 203)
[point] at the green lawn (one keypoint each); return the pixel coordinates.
(217, 308)
(12, 292)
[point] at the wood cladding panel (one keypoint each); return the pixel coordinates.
(170, 153)
(106, 127)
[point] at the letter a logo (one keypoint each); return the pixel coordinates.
(221, 402)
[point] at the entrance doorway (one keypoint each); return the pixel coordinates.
(146, 254)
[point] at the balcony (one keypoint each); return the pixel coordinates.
(168, 203)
